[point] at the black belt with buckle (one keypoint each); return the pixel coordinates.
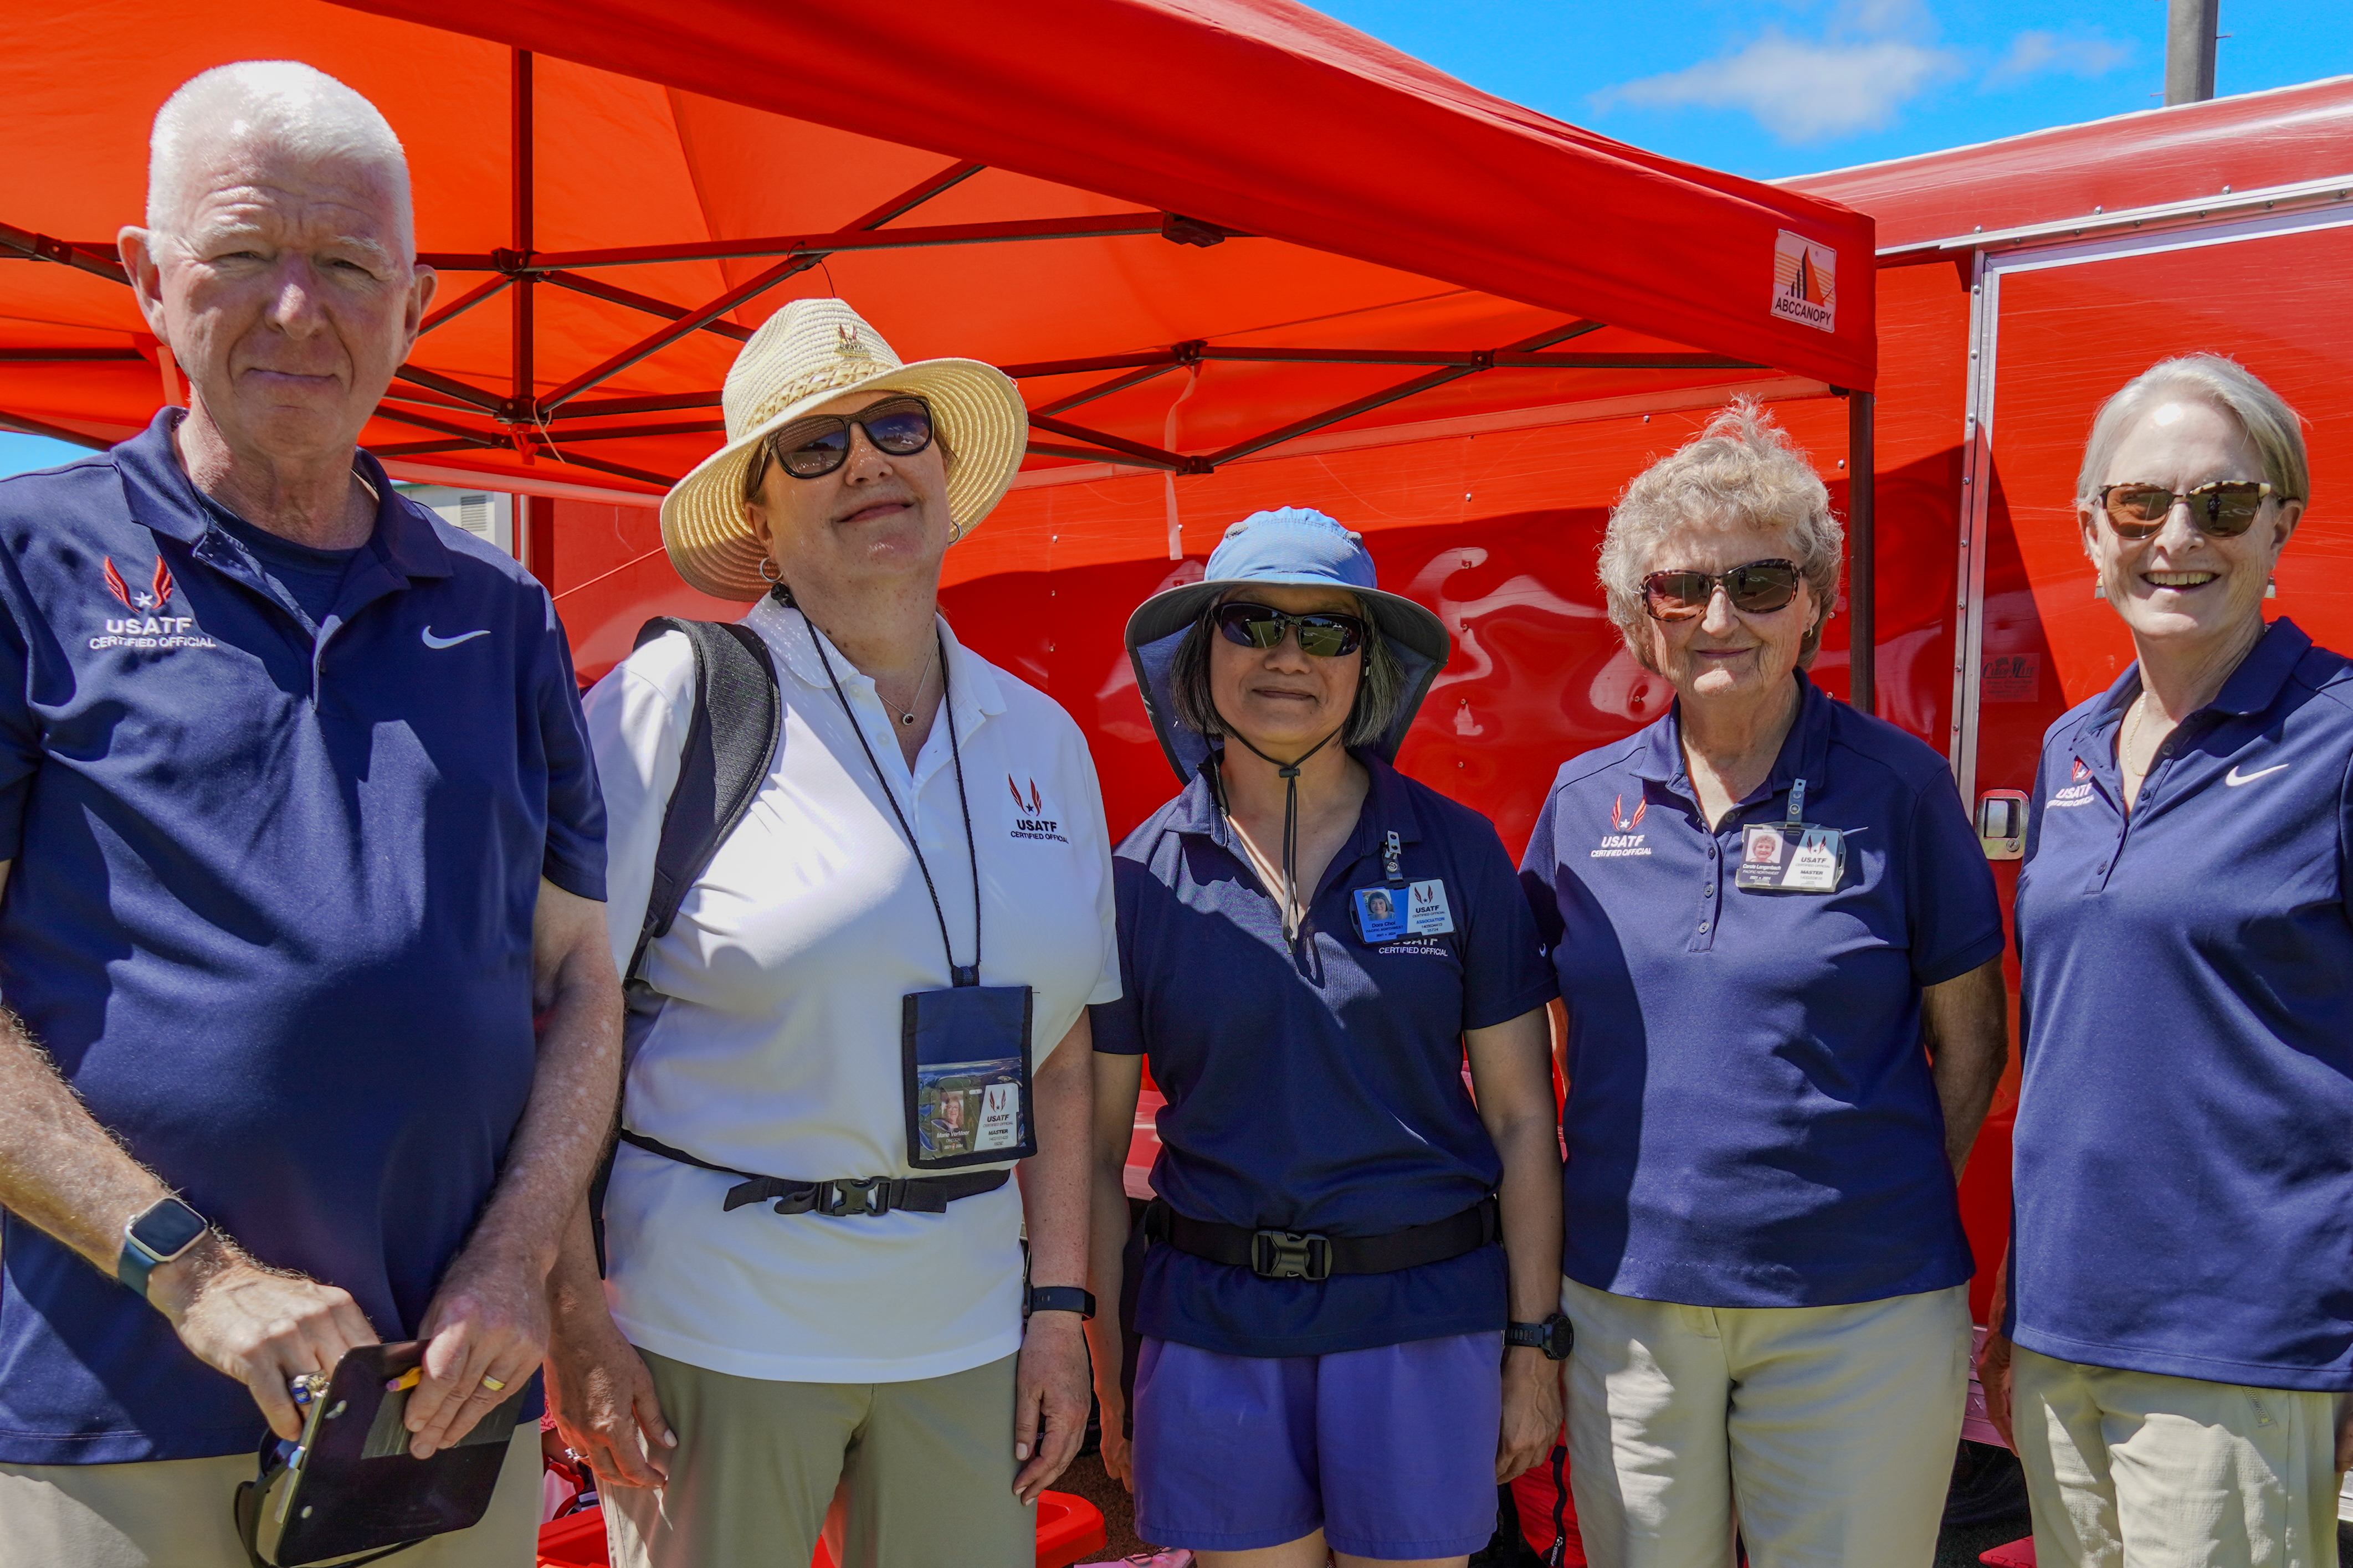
(838, 1199)
(1308, 1255)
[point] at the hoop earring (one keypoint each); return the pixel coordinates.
(768, 570)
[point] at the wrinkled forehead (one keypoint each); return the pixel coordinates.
(242, 180)
(1719, 542)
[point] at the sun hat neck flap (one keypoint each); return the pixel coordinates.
(1290, 547)
(808, 353)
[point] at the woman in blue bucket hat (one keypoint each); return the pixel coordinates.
(1343, 1238)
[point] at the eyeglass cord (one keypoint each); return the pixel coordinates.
(1292, 911)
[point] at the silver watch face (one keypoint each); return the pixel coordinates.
(167, 1229)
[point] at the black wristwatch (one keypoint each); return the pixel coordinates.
(1553, 1336)
(155, 1236)
(1062, 1298)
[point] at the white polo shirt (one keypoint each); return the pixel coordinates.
(771, 1041)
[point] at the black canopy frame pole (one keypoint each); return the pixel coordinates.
(1862, 565)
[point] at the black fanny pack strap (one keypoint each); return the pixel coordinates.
(837, 1198)
(1299, 1255)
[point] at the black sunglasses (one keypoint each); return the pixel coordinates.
(1323, 634)
(1758, 588)
(814, 448)
(2224, 509)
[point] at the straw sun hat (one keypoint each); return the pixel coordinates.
(807, 353)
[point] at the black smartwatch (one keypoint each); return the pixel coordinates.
(1062, 1298)
(155, 1236)
(1554, 1336)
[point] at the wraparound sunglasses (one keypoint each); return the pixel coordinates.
(2224, 509)
(1321, 634)
(1758, 588)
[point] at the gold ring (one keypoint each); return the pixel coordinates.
(494, 1386)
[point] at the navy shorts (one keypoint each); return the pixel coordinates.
(1390, 1451)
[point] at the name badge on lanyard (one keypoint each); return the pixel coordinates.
(1399, 908)
(964, 1053)
(1790, 856)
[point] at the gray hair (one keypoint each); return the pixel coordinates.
(2276, 429)
(1741, 470)
(1381, 689)
(284, 104)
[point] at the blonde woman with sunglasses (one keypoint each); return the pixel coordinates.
(2175, 1361)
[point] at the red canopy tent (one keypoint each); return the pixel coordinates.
(1202, 236)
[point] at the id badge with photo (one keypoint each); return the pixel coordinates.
(1380, 914)
(1791, 857)
(963, 1055)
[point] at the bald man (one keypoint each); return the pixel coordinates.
(312, 1038)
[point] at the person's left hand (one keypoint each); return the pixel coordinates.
(1050, 1412)
(1531, 1406)
(488, 1325)
(2344, 1433)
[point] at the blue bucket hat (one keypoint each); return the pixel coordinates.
(1291, 547)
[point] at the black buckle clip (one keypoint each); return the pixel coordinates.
(1290, 1255)
(868, 1195)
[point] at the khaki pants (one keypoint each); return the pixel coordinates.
(175, 1513)
(1826, 1433)
(925, 1470)
(2173, 1472)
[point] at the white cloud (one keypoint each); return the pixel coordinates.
(1801, 90)
(2033, 54)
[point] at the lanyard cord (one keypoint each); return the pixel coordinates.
(957, 974)
(1289, 773)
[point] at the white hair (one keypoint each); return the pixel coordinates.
(284, 104)
(2276, 429)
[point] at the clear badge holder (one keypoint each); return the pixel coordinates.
(964, 1055)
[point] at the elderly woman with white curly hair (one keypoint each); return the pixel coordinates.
(1761, 909)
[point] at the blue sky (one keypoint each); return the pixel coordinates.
(1768, 87)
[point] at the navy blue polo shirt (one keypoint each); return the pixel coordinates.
(1320, 1090)
(2183, 1200)
(269, 910)
(1751, 1121)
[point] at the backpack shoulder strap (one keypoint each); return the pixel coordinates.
(738, 714)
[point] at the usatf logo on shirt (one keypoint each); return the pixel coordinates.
(1619, 842)
(143, 628)
(1030, 818)
(1805, 281)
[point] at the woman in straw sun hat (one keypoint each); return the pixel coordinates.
(871, 1005)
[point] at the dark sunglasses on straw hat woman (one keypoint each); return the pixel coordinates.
(870, 1008)
(1308, 942)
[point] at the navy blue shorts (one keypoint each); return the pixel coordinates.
(1390, 1451)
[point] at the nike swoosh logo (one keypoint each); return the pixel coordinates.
(433, 642)
(2235, 778)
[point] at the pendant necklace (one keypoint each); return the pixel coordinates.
(907, 714)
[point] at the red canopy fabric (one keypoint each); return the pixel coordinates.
(1354, 235)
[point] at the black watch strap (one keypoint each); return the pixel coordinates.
(155, 1236)
(1062, 1298)
(1554, 1336)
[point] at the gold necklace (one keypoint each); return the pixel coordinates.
(2132, 734)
